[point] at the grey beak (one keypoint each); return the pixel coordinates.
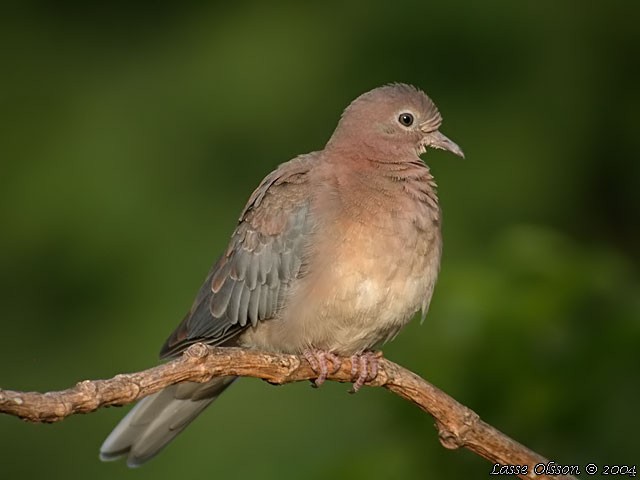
(436, 139)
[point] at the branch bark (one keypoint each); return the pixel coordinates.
(457, 425)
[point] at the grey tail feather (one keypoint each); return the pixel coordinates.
(157, 419)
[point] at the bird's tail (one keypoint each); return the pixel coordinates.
(157, 419)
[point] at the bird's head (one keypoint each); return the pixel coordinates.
(392, 122)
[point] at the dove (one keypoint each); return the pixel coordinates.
(335, 251)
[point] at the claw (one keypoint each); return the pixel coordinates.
(364, 368)
(318, 361)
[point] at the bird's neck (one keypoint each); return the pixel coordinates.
(412, 176)
(369, 147)
(408, 181)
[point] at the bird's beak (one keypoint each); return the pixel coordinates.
(436, 139)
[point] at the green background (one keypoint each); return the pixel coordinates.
(132, 134)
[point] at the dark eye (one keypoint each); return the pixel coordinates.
(406, 119)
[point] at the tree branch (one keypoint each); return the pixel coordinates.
(457, 425)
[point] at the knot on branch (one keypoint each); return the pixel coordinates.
(198, 351)
(87, 387)
(453, 435)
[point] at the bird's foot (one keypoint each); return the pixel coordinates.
(318, 361)
(364, 368)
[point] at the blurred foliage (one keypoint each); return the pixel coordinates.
(132, 134)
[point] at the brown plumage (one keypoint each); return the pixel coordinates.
(334, 253)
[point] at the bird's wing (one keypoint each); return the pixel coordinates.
(249, 281)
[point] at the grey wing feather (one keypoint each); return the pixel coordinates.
(248, 283)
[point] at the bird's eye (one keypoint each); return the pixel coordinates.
(406, 119)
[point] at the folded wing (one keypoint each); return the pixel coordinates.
(263, 260)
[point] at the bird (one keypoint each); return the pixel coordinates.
(334, 252)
